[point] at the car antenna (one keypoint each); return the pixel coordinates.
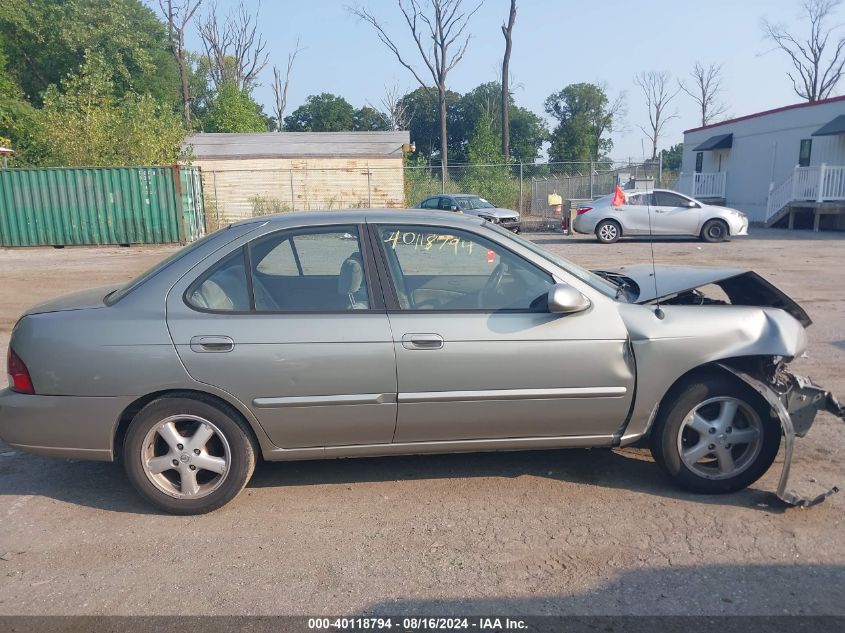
(658, 311)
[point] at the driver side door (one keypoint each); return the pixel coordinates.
(479, 357)
(674, 216)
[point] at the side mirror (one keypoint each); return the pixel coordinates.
(564, 299)
(454, 207)
(691, 204)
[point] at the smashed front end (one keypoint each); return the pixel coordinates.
(755, 345)
(796, 400)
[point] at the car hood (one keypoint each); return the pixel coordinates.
(743, 287)
(496, 213)
(84, 299)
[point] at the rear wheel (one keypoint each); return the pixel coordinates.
(715, 435)
(608, 231)
(715, 231)
(188, 456)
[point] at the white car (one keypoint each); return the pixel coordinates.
(658, 212)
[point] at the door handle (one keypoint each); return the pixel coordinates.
(203, 344)
(422, 341)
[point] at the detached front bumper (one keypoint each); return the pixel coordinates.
(796, 401)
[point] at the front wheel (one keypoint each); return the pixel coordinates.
(187, 455)
(715, 231)
(715, 435)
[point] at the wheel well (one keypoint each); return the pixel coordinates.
(750, 364)
(135, 407)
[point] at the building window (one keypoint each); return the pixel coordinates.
(804, 152)
(699, 161)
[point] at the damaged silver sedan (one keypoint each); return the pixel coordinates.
(312, 336)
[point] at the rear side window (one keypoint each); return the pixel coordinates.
(430, 203)
(308, 270)
(224, 288)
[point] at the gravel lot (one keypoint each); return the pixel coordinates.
(546, 532)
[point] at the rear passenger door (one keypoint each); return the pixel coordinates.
(634, 214)
(286, 323)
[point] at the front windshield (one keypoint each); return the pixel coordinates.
(590, 278)
(473, 202)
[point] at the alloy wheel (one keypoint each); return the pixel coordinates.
(186, 456)
(720, 438)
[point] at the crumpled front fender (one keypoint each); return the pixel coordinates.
(796, 407)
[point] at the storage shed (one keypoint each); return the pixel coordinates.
(245, 175)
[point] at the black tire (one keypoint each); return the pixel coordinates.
(240, 453)
(665, 443)
(715, 231)
(608, 231)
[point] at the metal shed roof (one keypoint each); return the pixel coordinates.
(832, 128)
(298, 145)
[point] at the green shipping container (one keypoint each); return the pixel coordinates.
(100, 205)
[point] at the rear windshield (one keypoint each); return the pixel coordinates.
(116, 295)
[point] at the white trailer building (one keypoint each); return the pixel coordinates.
(784, 166)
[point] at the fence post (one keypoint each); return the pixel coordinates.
(820, 192)
(292, 198)
(660, 169)
(216, 199)
(369, 187)
(591, 180)
(521, 205)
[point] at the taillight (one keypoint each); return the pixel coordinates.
(583, 210)
(19, 379)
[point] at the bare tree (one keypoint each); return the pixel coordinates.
(819, 59)
(280, 88)
(658, 95)
(439, 38)
(507, 31)
(235, 50)
(705, 90)
(608, 119)
(395, 111)
(177, 14)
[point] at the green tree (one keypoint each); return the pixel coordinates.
(46, 40)
(87, 123)
(673, 157)
(234, 110)
(369, 119)
(527, 134)
(322, 113)
(585, 117)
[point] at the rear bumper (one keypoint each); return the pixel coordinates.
(60, 426)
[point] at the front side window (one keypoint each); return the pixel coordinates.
(446, 204)
(667, 199)
(448, 269)
(310, 270)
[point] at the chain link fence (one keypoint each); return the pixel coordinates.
(232, 195)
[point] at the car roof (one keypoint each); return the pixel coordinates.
(357, 216)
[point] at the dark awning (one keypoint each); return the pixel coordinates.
(837, 126)
(721, 141)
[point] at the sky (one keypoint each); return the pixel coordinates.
(556, 43)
